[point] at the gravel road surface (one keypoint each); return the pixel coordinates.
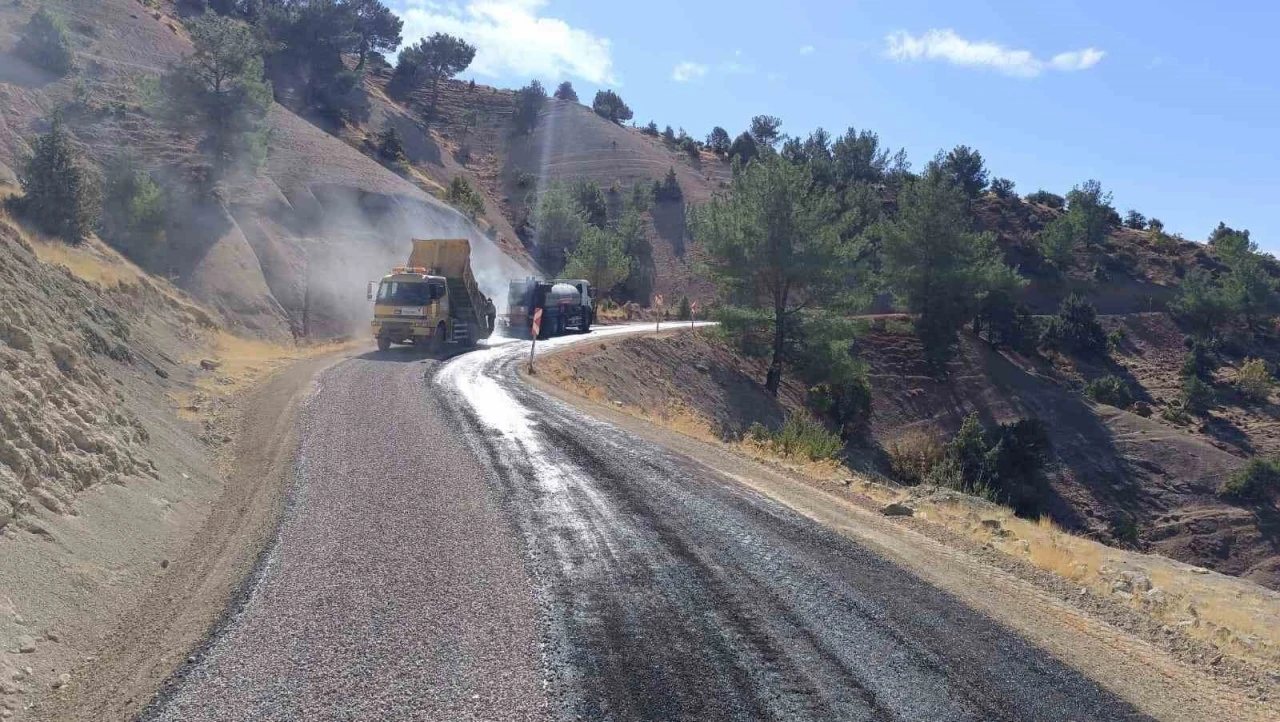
(460, 546)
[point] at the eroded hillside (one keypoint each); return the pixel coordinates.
(296, 243)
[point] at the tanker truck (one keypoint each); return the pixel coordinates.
(432, 300)
(565, 304)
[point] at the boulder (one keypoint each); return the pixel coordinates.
(896, 509)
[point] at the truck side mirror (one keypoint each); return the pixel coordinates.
(369, 291)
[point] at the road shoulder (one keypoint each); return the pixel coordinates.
(199, 586)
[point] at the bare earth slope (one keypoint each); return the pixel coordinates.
(104, 482)
(300, 241)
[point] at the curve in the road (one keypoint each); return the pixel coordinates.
(460, 546)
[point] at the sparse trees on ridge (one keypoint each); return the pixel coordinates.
(528, 102)
(429, 61)
(718, 141)
(609, 105)
(766, 129)
(565, 91)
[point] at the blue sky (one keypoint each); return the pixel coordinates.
(1174, 106)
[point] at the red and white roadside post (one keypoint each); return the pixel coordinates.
(536, 329)
(657, 301)
(693, 313)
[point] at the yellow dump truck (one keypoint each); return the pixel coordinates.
(432, 300)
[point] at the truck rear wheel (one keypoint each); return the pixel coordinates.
(384, 343)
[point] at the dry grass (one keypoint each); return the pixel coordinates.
(912, 455)
(1235, 616)
(86, 261)
(244, 361)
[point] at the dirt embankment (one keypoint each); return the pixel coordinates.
(690, 376)
(117, 412)
(1113, 470)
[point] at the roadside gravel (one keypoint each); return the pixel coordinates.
(396, 588)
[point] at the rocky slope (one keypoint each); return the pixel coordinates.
(101, 481)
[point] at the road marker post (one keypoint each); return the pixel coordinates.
(536, 328)
(657, 301)
(693, 313)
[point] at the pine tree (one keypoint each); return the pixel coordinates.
(59, 197)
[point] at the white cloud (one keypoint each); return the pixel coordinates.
(947, 46)
(513, 37)
(686, 71)
(807, 50)
(1077, 59)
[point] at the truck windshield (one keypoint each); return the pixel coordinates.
(407, 294)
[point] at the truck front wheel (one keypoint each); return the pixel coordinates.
(384, 343)
(437, 341)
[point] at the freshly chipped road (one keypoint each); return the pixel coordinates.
(460, 546)
(396, 588)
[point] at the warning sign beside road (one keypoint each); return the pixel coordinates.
(537, 321)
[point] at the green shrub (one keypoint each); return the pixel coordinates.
(390, 148)
(1109, 390)
(684, 311)
(914, 455)
(60, 197)
(134, 212)
(1197, 396)
(1200, 360)
(1115, 339)
(1257, 481)
(462, 196)
(758, 433)
(1254, 380)
(669, 188)
(526, 104)
(45, 42)
(608, 104)
(1075, 329)
(804, 437)
(525, 179)
(1175, 413)
(651, 129)
(1003, 464)
(1045, 198)
(690, 147)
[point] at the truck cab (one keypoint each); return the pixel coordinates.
(434, 298)
(410, 306)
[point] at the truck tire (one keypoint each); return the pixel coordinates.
(586, 323)
(437, 341)
(384, 343)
